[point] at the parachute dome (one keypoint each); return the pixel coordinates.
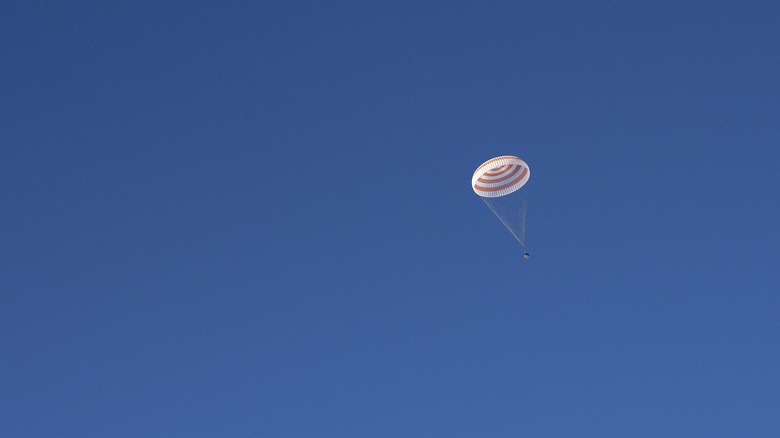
(500, 176)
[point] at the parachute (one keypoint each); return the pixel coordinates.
(500, 182)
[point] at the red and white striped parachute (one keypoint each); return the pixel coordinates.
(500, 176)
(500, 182)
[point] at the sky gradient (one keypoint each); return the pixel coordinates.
(255, 219)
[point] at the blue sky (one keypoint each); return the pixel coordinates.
(255, 219)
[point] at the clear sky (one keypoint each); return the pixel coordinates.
(255, 219)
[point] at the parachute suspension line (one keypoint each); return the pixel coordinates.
(510, 210)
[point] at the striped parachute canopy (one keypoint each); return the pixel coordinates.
(500, 182)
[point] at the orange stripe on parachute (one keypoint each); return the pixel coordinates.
(503, 178)
(510, 184)
(498, 170)
(491, 161)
